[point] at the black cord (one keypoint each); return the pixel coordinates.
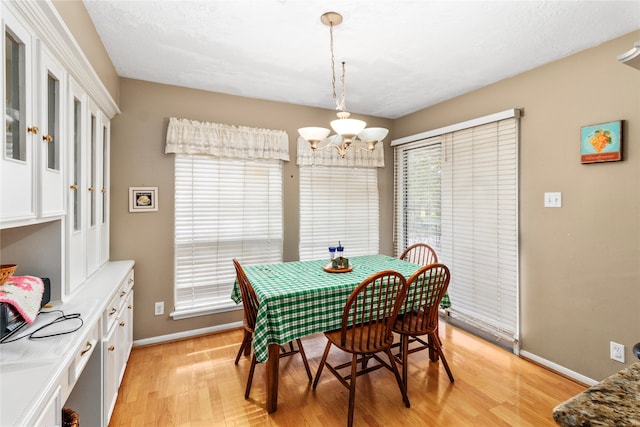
(62, 318)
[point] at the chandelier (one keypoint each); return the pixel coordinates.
(349, 132)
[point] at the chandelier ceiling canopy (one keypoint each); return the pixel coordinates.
(349, 132)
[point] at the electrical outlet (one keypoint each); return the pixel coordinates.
(617, 351)
(159, 308)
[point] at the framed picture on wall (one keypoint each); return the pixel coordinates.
(601, 143)
(143, 199)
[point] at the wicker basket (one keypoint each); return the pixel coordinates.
(70, 418)
(6, 271)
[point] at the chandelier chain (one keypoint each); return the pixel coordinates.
(340, 105)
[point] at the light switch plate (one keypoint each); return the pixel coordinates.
(553, 200)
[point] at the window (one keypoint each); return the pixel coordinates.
(458, 188)
(418, 199)
(228, 204)
(224, 209)
(338, 204)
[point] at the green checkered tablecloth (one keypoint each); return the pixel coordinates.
(300, 298)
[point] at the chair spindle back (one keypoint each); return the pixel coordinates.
(249, 299)
(374, 304)
(425, 290)
(420, 253)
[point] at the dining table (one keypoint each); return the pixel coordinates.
(300, 298)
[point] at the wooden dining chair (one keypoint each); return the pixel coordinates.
(250, 305)
(420, 253)
(419, 314)
(366, 330)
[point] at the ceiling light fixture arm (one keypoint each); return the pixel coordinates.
(348, 130)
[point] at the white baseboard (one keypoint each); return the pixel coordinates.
(558, 368)
(186, 334)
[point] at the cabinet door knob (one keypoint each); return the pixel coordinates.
(73, 187)
(47, 138)
(32, 129)
(91, 188)
(129, 306)
(104, 190)
(122, 324)
(111, 348)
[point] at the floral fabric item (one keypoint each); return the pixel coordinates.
(25, 294)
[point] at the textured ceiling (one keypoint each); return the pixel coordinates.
(401, 56)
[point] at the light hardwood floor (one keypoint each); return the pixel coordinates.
(194, 382)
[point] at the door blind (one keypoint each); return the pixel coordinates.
(480, 227)
(478, 239)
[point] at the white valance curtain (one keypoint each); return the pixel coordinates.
(329, 156)
(192, 137)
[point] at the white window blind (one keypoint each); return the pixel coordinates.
(338, 204)
(478, 218)
(224, 208)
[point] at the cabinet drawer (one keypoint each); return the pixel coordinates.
(117, 304)
(110, 314)
(83, 353)
(126, 286)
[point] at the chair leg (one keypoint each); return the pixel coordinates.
(403, 388)
(250, 379)
(322, 363)
(352, 388)
(304, 358)
(405, 359)
(246, 345)
(437, 344)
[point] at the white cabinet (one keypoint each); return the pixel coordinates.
(32, 161)
(93, 185)
(52, 88)
(103, 212)
(88, 177)
(54, 218)
(78, 113)
(117, 322)
(110, 375)
(51, 414)
(125, 335)
(17, 157)
(55, 151)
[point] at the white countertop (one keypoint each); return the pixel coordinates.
(30, 370)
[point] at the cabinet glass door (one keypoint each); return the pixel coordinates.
(105, 170)
(103, 255)
(51, 105)
(17, 171)
(92, 172)
(15, 98)
(77, 165)
(53, 123)
(76, 170)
